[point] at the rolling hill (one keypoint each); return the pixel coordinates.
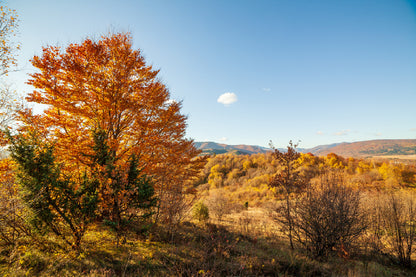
(371, 148)
(219, 148)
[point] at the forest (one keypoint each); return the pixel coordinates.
(103, 182)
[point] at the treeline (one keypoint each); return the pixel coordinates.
(247, 177)
(409, 150)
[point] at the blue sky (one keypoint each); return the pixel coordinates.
(317, 71)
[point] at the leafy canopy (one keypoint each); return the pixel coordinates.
(106, 85)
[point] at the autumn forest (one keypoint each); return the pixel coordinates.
(104, 182)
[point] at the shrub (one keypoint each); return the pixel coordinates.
(219, 204)
(200, 212)
(57, 204)
(328, 217)
(13, 212)
(394, 226)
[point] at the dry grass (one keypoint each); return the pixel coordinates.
(229, 249)
(246, 242)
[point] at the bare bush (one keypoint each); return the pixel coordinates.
(13, 212)
(393, 229)
(219, 204)
(328, 217)
(174, 207)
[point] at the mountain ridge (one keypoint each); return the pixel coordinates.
(359, 149)
(219, 148)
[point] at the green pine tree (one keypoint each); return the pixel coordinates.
(56, 203)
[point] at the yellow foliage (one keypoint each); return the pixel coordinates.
(362, 167)
(247, 164)
(334, 161)
(390, 172)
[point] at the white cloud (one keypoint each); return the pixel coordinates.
(320, 133)
(227, 98)
(413, 129)
(223, 139)
(266, 89)
(378, 134)
(342, 133)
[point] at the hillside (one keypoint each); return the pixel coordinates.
(371, 148)
(219, 148)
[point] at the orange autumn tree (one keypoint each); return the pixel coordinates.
(105, 87)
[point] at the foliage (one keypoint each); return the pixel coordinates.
(200, 211)
(102, 94)
(106, 85)
(58, 204)
(247, 177)
(242, 178)
(241, 184)
(392, 150)
(13, 212)
(126, 197)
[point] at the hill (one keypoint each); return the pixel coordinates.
(373, 148)
(210, 147)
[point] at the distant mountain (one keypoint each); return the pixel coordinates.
(320, 148)
(371, 148)
(210, 147)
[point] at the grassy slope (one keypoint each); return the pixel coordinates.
(194, 250)
(248, 245)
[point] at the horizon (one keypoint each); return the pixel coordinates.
(250, 72)
(300, 145)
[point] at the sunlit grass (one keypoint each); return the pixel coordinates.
(196, 249)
